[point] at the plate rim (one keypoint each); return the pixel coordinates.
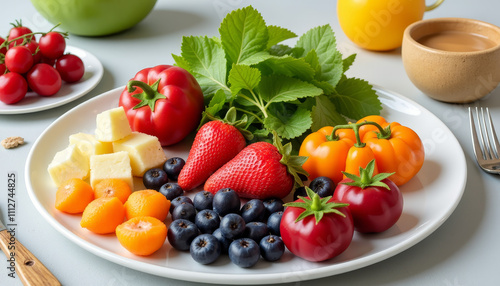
(64, 100)
(248, 278)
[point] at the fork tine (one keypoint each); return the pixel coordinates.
(483, 133)
(495, 147)
(475, 141)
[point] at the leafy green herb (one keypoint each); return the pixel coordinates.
(291, 90)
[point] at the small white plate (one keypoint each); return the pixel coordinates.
(68, 92)
(429, 199)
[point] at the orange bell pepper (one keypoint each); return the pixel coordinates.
(330, 155)
(396, 149)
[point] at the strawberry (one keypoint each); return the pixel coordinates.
(261, 170)
(215, 143)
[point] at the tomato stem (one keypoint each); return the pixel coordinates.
(316, 203)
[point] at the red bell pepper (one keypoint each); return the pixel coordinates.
(164, 101)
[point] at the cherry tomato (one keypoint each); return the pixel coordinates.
(2, 69)
(70, 67)
(18, 59)
(4, 49)
(44, 79)
(45, 60)
(17, 31)
(379, 25)
(52, 45)
(375, 202)
(13, 87)
(315, 240)
(37, 56)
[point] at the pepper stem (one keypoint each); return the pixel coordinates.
(383, 133)
(149, 94)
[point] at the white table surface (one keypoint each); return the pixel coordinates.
(463, 251)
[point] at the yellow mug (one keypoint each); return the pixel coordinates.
(379, 25)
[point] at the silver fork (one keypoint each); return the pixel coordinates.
(484, 140)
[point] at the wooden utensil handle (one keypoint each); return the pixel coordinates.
(29, 269)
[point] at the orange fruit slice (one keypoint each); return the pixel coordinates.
(147, 203)
(113, 188)
(142, 235)
(103, 215)
(73, 196)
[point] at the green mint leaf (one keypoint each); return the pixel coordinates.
(290, 66)
(244, 36)
(325, 86)
(217, 102)
(280, 50)
(312, 59)
(347, 62)
(206, 60)
(278, 88)
(278, 34)
(324, 113)
(181, 62)
(322, 40)
(289, 126)
(355, 98)
(243, 77)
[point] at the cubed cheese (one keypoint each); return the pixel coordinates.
(145, 152)
(111, 166)
(89, 145)
(112, 125)
(68, 164)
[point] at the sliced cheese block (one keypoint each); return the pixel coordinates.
(89, 145)
(112, 125)
(68, 164)
(145, 152)
(110, 166)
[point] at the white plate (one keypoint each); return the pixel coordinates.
(68, 92)
(429, 199)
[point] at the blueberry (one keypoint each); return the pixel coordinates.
(244, 252)
(300, 191)
(207, 221)
(154, 178)
(205, 248)
(323, 186)
(203, 200)
(271, 247)
(177, 201)
(171, 191)
(256, 230)
(180, 234)
(224, 241)
(273, 205)
(232, 226)
(273, 222)
(173, 167)
(226, 201)
(253, 210)
(185, 211)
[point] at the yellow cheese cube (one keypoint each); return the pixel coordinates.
(68, 164)
(89, 145)
(110, 166)
(112, 125)
(145, 152)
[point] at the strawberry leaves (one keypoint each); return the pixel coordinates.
(292, 163)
